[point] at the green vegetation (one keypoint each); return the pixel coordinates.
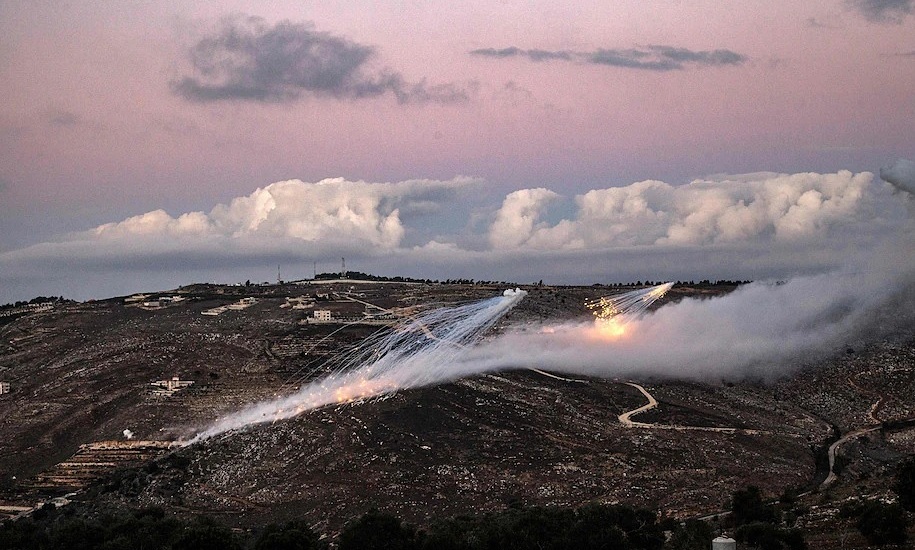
(765, 526)
(594, 526)
(693, 535)
(879, 522)
(905, 484)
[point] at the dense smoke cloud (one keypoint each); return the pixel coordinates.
(650, 58)
(248, 60)
(761, 331)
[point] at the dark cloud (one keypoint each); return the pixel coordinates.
(63, 118)
(248, 60)
(651, 58)
(900, 175)
(883, 11)
(815, 23)
(533, 55)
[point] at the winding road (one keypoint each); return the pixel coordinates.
(834, 448)
(626, 418)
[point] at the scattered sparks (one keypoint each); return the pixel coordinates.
(614, 313)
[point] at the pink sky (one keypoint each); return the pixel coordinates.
(91, 131)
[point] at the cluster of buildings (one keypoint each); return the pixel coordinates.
(244, 303)
(27, 308)
(167, 388)
(326, 316)
(144, 301)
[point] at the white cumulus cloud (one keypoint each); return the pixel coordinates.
(518, 218)
(731, 209)
(333, 210)
(749, 226)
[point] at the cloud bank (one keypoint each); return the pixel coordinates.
(334, 212)
(762, 207)
(751, 226)
(248, 60)
(650, 58)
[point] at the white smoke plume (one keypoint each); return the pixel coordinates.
(421, 352)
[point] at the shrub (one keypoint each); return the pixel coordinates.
(376, 530)
(883, 523)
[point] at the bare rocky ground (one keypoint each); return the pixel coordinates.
(80, 374)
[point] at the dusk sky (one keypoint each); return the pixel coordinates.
(148, 145)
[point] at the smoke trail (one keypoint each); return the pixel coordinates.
(419, 353)
(760, 331)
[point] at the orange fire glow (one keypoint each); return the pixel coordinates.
(610, 328)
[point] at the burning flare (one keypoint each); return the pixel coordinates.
(423, 350)
(614, 313)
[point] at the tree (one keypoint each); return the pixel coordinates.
(694, 535)
(291, 536)
(376, 530)
(766, 536)
(905, 484)
(747, 506)
(883, 523)
(77, 534)
(206, 535)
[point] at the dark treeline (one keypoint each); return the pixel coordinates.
(754, 521)
(360, 276)
(590, 527)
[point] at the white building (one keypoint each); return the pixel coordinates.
(322, 316)
(168, 387)
(243, 303)
(4, 387)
